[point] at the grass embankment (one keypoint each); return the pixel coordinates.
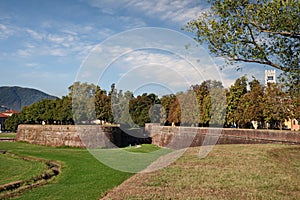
(14, 169)
(82, 176)
(228, 172)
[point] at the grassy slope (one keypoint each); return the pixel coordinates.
(12, 166)
(228, 172)
(83, 177)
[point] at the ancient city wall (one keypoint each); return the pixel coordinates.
(165, 136)
(90, 136)
(178, 137)
(70, 135)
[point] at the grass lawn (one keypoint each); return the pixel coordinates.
(14, 169)
(228, 172)
(82, 176)
(7, 135)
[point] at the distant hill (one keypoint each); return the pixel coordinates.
(17, 97)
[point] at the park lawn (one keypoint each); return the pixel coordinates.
(228, 172)
(145, 148)
(13, 168)
(7, 135)
(82, 176)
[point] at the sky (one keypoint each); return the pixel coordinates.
(137, 44)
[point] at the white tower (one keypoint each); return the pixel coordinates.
(270, 76)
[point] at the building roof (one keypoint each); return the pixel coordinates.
(10, 112)
(3, 116)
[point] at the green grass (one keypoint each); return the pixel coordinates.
(15, 169)
(145, 148)
(82, 176)
(130, 159)
(7, 135)
(228, 172)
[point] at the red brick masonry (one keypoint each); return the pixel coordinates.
(174, 137)
(178, 137)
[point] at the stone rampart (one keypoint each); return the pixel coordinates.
(180, 137)
(90, 136)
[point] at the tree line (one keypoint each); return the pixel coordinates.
(207, 104)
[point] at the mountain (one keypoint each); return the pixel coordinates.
(17, 97)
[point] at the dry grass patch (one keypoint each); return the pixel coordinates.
(228, 172)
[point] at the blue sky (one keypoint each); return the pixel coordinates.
(48, 45)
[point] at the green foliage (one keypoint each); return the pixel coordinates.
(103, 105)
(277, 105)
(189, 108)
(11, 124)
(83, 102)
(236, 91)
(261, 31)
(205, 104)
(211, 103)
(140, 109)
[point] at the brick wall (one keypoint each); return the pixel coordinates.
(89, 136)
(178, 137)
(70, 135)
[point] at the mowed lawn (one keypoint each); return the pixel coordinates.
(82, 177)
(13, 168)
(228, 172)
(7, 135)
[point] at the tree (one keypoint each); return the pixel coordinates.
(83, 102)
(189, 108)
(120, 107)
(167, 101)
(11, 124)
(217, 96)
(234, 96)
(291, 85)
(256, 31)
(63, 111)
(211, 106)
(250, 108)
(103, 105)
(174, 113)
(276, 106)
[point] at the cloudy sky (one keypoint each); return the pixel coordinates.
(137, 44)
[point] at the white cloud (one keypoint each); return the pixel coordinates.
(131, 22)
(6, 31)
(178, 11)
(33, 65)
(34, 34)
(24, 52)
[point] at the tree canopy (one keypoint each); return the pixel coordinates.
(205, 104)
(256, 31)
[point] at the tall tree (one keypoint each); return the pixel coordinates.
(189, 108)
(103, 105)
(250, 107)
(209, 96)
(256, 31)
(167, 101)
(277, 106)
(234, 95)
(83, 102)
